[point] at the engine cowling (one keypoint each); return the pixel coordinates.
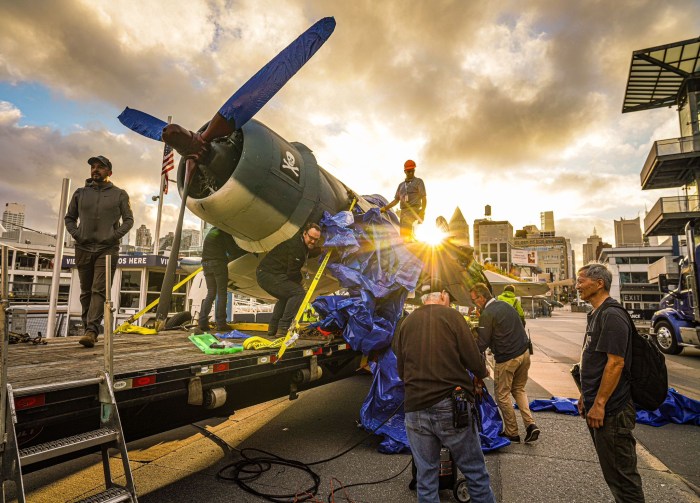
(260, 188)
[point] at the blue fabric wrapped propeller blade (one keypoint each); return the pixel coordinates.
(256, 92)
(371, 262)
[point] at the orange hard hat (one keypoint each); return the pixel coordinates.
(409, 165)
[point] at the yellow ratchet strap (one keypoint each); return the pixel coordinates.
(292, 334)
(124, 327)
(257, 342)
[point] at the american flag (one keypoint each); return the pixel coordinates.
(168, 164)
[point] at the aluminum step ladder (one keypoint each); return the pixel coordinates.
(108, 436)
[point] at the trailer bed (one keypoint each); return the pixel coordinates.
(157, 379)
(63, 359)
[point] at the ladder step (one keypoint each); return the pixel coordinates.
(111, 495)
(55, 448)
(56, 386)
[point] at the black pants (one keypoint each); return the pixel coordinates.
(290, 295)
(216, 278)
(615, 446)
(91, 272)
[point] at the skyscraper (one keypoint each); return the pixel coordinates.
(547, 224)
(13, 214)
(143, 237)
(628, 232)
(590, 247)
(493, 240)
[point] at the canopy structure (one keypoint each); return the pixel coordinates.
(658, 74)
(498, 282)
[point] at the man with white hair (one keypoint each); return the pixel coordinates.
(433, 347)
(606, 400)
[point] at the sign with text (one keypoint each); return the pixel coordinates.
(128, 261)
(523, 257)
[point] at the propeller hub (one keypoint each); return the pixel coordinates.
(188, 144)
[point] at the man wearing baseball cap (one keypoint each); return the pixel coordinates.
(98, 216)
(434, 348)
(411, 194)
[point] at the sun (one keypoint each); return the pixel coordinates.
(429, 233)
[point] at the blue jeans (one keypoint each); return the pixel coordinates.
(428, 430)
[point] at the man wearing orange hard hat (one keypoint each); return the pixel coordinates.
(411, 194)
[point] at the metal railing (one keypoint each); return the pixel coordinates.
(669, 206)
(34, 322)
(673, 146)
(33, 292)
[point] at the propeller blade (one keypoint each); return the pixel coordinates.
(142, 123)
(262, 86)
(166, 291)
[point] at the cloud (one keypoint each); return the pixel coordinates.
(515, 104)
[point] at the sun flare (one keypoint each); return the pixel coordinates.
(429, 233)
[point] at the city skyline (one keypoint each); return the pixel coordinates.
(516, 105)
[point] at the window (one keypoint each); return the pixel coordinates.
(633, 277)
(130, 289)
(155, 282)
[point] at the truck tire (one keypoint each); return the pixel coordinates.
(178, 319)
(665, 338)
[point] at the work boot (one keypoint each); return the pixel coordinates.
(223, 328)
(200, 330)
(281, 332)
(89, 339)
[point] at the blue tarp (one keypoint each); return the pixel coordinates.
(676, 408)
(371, 262)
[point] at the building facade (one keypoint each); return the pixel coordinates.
(553, 254)
(143, 237)
(493, 240)
(590, 247)
(13, 216)
(629, 266)
(547, 224)
(628, 232)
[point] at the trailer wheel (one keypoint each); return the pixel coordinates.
(178, 320)
(461, 491)
(665, 338)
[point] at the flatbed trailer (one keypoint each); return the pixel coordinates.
(160, 381)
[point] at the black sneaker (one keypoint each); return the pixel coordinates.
(532, 433)
(513, 438)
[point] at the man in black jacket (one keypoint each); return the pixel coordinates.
(434, 348)
(279, 274)
(501, 330)
(99, 206)
(218, 250)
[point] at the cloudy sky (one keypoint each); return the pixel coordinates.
(515, 104)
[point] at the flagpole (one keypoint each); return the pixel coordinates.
(156, 239)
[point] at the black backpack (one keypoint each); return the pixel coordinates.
(648, 376)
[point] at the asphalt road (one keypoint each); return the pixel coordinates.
(182, 465)
(558, 340)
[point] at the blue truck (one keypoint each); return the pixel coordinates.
(677, 322)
